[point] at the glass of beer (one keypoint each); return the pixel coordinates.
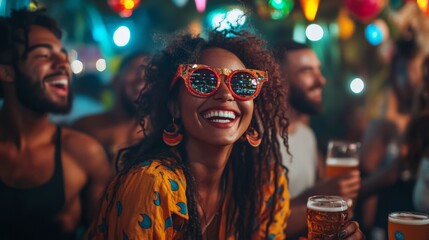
(408, 226)
(342, 157)
(326, 216)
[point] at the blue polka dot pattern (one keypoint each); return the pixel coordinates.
(168, 223)
(182, 208)
(157, 201)
(173, 184)
(146, 223)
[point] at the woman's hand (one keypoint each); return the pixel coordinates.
(351, 232)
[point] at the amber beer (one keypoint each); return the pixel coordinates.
(408, 226)
(338, 166)
(342, 157)
(326, 217)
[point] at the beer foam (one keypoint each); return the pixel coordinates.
(326, 207)
(344, 162)
(409, 218)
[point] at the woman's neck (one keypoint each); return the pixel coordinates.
(207, 164)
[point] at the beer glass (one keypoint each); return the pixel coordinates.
(326, 216)
(408, 226)
(342, 157)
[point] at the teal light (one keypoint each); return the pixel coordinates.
(373, 34)
(222, 19)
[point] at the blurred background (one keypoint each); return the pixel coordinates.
(353, 38)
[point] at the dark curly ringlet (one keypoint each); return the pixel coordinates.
(250, 166)
(15, 29)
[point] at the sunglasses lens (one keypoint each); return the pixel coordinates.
(203, 81)
(244, 84)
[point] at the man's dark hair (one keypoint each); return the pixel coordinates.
(129, 58)
(280, 49)
(20, 22)
(14, 31)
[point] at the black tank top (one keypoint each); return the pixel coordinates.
(27, 213)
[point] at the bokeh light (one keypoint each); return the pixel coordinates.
(222, 20)
(299, 33)
(201, 5)
(373, 34)
(357, 85)
(76, 66)
(424, 6)
(314, 32)
(100, 65)
(72, 55)
(280, 8)
(180, 3)
(346, 25)
(310, 8)
(122, 36)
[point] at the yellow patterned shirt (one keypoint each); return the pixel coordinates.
(150, 203)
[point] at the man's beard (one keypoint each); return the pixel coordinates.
(128, 105)
(31, 95)
(301, 103)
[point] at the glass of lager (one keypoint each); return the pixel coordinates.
(408, 226)
(342, 157)
(326, 217)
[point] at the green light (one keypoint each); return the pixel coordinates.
(277, 14)
(277, 4)
(280, 8)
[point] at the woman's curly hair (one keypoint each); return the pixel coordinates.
(250, 166)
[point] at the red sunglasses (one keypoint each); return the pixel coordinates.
(203, 81)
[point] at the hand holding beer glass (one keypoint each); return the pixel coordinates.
(326, 217)
(342, 157)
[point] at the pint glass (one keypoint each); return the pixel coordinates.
(341, 157)
(326, 217)
(408, 226)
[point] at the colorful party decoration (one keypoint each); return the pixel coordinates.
(373, 34)
(364, 10)
(200, 5)
(124, 7)
(310, 8)
(424, 6)
(346, 26)
(274, 9)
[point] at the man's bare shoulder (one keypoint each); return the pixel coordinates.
(83, 148)
(93, 121)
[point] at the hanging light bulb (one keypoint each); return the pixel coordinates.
(310, 8)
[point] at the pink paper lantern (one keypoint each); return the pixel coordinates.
(364, 10)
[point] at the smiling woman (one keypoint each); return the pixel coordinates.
(218, 173)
